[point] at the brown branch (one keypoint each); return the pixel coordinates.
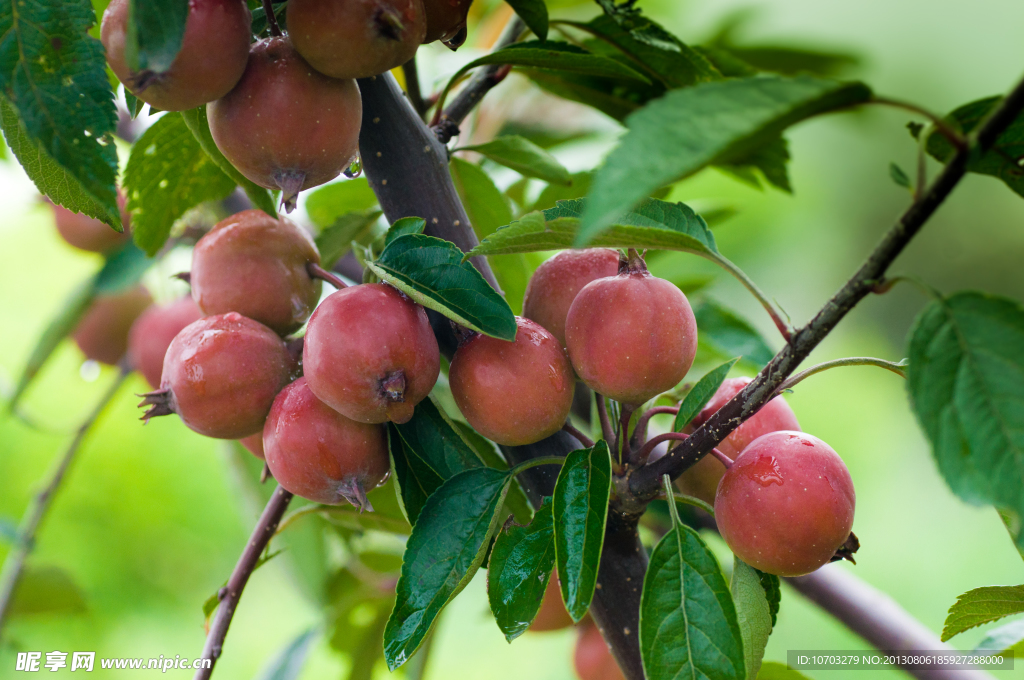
(14, 565)
(645, 483)
(232, 592)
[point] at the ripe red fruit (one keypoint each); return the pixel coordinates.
(370, 354)
(377, 35)
(88, 233)
(256, 265)
(701, 480)
(286, 126)
(786, 504)
(632, 336)
(102, 333)
(557, 281)
(254, 444)
(552, 614)
(214, 50)
(513, 393)
(446, 21)
(152, 333)
(221, 375)
(592, 659)
(317, 453)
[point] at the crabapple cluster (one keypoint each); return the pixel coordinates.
(284, 110)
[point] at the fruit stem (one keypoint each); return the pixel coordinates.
(899, 369)
(748, 283)
(640, 431)
(266, 474)
(580, 437)
(624, 417)
(534, 462)
(315, 271)
(606, 425)
(641, 455)
(953, 135)
(268, 8)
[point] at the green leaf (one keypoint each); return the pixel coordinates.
(487, 210)
(668, 59)
(523, 156)
(49, 176)
(288, 663)
(616, 98)
(447, 546)
(688, 623)
(8, 530)
(725, 334)
(427, 451)
(553, 193)
(167, 174)
(328, 203)
(47, 590)
(518, 571)
(555, 56)
(1002, 161)
(1006, 638)
(710, 123)
(54, 75)
(403, 226)
(769, 159)
(966, 385)
(773, 670)
(155, 31)
(335, 241)
(534, 14)
(753, 614)
(701, 394)
(982, 605)
(432, 272)
(197, 122)
(580, 508)
(653, 224)
(899, 177)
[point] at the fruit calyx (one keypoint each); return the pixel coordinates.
(392, 387)
(352, 490)
(160, 403)
(388, 23)
(847, 549)
(632, 263)
(290, 182)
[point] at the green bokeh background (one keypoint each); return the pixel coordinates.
(151, 519)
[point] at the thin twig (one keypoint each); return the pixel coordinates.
(645, 482)
(317, 272)
(412, 87)
(36, 512)
(232, 593)
(748, 283)
(953, 135)
(899, 369)
(580, 437)
(446, 123)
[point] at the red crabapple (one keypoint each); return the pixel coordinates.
(221, 375)
(254, 445)
(319, 454)
(446, 21)
(370, 353)
(377, 35)
(513, 393)
(632, 336)
(88, 233)
(555, 284)
(701, 480)
(256, 265)
(102, 333)
(214, 51)
(592, 658)
(552, 614)
(786, 504)
(152, 333)
(285, 125)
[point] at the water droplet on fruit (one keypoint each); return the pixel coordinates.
(765, 471)
(355, 168)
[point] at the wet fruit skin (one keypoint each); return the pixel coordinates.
(557, 281)
(370, 354)
(255, 265)
(221, 375)
(102, 334)
(378, 35)
(445, 19)
(319, 454)
(214, 51)
(786, 505)
(592, 658)
(285, 125)
(513, 393)
(701, 480)
(552, 614)
(88, 233)
(152, 333)
(631, 336)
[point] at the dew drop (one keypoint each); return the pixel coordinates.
(765, 471)
(355, 168)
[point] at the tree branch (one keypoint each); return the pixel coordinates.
(232, 592)
(35, 513)
(646, 482)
